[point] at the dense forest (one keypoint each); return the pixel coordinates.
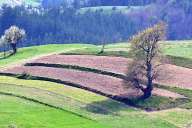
(66, 24)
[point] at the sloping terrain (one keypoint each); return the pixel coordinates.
(113, 9)
(21, 2)
(106, 63)
(82, 105)
(175, 75)
(18, 112)
(105, 85)
(30, 110)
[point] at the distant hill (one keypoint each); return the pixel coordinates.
(93, 3)
(45, 3)
(20, 2)
(113, 9)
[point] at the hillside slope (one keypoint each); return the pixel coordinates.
(20, 2)
(44, 102)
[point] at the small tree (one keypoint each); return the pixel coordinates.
(102, 47)
(146, 52)
(13, 35)
(103, 42)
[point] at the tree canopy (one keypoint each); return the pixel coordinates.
(145, 51)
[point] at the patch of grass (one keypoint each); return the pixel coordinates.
(129, 117)
(180, 117)
(155, 103)
(54, 100)
(138, 120)
(111, 9)
(84, 51)
(19, 112)
(22, 113)
(33, 3)
(61, 96)
(75, 93)
(178, 49)
(180, 61)
(96, 50)
(177, 52)
(150, 105)
(30, 52)
(185, 92)
(147, 121)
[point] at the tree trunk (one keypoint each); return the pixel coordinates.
(148, 91)
(4, 50)
(14, 47)
(102, 49)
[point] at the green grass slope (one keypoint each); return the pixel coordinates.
(23, 113)
(173, 48)
(111, 9)
(33, 3)
(20, 113)
(35, 51)
(177, 52)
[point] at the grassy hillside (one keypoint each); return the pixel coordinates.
(173, 48)
(19, 2)
(44, 102)
(32, 2)
(177, 52)
(111, 9)
(30, 52)
(16, 112)
(41, 114)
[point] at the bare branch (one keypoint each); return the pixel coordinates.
(146, 49)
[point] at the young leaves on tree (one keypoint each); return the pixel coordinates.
(13, 35)
(146, 54)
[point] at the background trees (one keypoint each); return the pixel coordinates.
(58, 22)
(145, 51)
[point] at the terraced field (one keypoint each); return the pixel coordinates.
(106, 63)
(106, 85)
(29, 90)
(175, 75)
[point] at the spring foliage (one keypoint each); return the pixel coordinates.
(146, 53)
(12, 36)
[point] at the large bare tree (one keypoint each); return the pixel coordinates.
(146, 55)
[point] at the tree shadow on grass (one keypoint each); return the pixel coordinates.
(106, 107)
(6, 56)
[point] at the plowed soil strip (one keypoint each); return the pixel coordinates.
(169, 74)
(106, 84)
(106, 63)
(175, 76)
